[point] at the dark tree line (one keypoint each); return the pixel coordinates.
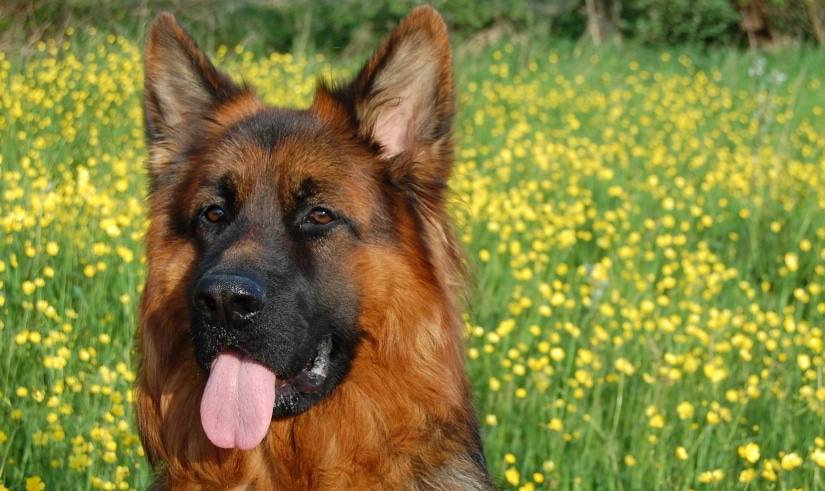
(348, 26)
(761, 22)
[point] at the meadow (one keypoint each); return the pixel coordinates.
(647, 233)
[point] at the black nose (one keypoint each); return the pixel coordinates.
(228, 301)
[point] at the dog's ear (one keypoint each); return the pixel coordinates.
(181, 87)
(402, 99)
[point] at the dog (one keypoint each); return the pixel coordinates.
(300, 326)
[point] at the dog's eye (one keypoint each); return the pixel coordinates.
(214, 214)
(320, 216)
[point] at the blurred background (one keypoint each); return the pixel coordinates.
(349, 27)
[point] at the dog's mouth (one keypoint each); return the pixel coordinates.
(242, 393)
(311, 378)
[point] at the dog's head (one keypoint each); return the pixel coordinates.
(262, 214)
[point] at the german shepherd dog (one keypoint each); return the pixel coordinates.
(300, 327)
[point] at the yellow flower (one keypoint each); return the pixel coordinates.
(52, 248)
(79, 461)
(681, 453)
(715, 373)
(750, 452)
(791, 461)
(715, 475)
(769, 472)
(35, 484)
(625, 366)
(512, 476)
(685, 410)
(792, 261)
(818, 456)
(28, 287)
(747, 475)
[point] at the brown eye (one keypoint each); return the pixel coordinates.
(320, 216)
(214, 214)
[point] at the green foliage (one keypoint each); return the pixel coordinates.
(702, 22)
(350, 28)
(790, 18)
(344, 26)
(353, 25)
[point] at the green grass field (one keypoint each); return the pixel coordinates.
(647, 229)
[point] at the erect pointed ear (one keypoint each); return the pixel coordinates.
(181, 87)
(402, 99)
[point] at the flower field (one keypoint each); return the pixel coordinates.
(647, 231)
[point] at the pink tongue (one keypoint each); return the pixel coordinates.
(236, 408)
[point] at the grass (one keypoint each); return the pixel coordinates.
(648, 237)
(651, 226)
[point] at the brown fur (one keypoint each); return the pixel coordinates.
(401, 418)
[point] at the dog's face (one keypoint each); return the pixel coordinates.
(273, 282)
(273, 209)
